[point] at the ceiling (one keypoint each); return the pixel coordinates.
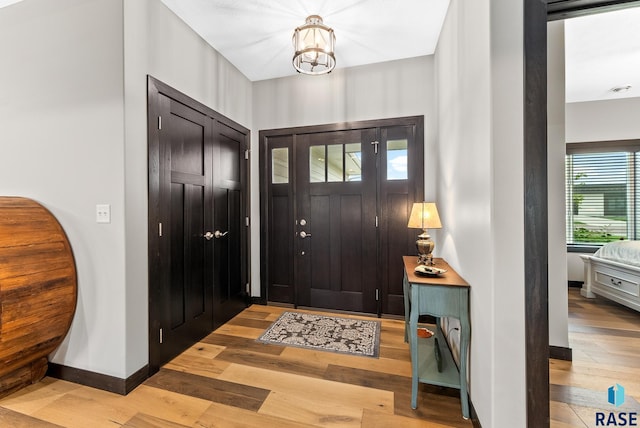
(255, 35)
(602, 50)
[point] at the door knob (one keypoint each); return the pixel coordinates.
(208, 236)
(304, 234)
(219, 234)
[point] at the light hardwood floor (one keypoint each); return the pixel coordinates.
(605, 338)
(229, 380)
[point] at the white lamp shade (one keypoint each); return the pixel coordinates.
(424, 215)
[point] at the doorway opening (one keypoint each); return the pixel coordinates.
(536, 15)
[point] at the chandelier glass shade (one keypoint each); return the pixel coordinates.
(314, 44)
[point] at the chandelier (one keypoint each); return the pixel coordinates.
(314, 45)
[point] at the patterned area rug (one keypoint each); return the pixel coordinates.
(325, 333)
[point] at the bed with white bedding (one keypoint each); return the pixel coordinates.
(614, 272)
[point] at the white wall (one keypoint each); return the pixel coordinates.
(558, 292)
(61, 134)
(603, 120)
(507, 130)
(378, 91)
(507, 134)
(158, 43)
(73, 135)
(480, 189)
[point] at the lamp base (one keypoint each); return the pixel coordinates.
(425, 246)
(425, 259)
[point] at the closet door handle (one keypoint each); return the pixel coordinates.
(219, 234)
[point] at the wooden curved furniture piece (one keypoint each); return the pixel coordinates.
(38, 290)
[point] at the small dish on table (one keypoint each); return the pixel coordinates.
(429, 270)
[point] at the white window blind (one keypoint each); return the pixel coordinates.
(602, 184)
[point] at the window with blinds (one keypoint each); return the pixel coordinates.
(602, 185)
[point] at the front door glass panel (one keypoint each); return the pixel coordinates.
(397, 160)
(317, 161)
(335, 165)
(280, 165)
(353, 162)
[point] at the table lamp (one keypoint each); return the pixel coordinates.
(424, 215)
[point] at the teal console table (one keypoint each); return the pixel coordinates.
(431, 359)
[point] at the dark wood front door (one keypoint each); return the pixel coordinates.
(335, 202)
(336, 220)
(198, 239)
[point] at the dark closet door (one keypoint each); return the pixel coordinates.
(230, 235)
(335, 237)
(197, 187)
(184, 283)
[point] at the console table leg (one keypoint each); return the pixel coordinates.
(465, 333)
(415, 364)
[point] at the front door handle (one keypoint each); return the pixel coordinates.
(208, 236)
(304, 234)
(219, 234)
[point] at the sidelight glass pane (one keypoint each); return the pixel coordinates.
(280, 165)
(335, 167)
(317, 161)
(397, 162)
(353, 162)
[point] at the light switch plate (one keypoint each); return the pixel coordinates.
(103, 213)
